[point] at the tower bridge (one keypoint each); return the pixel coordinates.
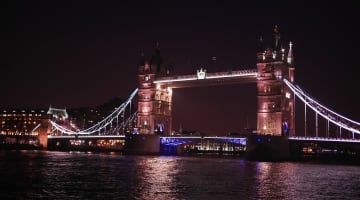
(277, 94)
(275, 99)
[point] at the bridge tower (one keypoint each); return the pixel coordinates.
(154, 101)
(275, 110)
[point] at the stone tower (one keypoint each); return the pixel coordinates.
(275, 110)
(154, 102)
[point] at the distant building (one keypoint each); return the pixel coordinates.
(28, 121)
(21, 121)
(85, 117)
(59, 114)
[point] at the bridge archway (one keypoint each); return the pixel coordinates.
(215, 110)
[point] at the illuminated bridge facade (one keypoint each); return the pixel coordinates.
(276, 98)
(275, 113)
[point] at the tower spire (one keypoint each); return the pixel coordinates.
(276, 38)
(156, 60)
(142, 59)
(290, 57)
(260, 45)
(157, 46)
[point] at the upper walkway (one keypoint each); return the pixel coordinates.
(202, 78)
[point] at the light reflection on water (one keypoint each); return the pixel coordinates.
(156, 177)
(75, 175)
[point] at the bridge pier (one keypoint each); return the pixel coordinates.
(267, 148)
(43, 132)
(142, 144)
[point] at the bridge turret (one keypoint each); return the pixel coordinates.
(260, 50)
(156, 61)
(275, 100)
(290, 61)
(154, 102)
(273, 52)
(277, 37)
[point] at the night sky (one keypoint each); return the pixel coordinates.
(79, 53)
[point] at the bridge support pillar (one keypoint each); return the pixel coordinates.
(43, 133)
(267, 148)
(142, 144)
(154, 101)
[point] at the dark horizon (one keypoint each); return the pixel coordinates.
(84, 54)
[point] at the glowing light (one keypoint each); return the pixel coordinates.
(287, 95)
(290, 57)
(201, 74)
(178, 140)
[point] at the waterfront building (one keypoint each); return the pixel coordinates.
(21, 121)
(27, 122)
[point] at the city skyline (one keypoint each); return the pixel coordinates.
(73, 55)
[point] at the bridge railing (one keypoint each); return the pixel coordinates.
(303, 138)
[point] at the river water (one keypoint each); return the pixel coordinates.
(75, 175)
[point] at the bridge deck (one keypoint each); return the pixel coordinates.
(321, 139)
(209, 79)
(177, 138)
(87, 137)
